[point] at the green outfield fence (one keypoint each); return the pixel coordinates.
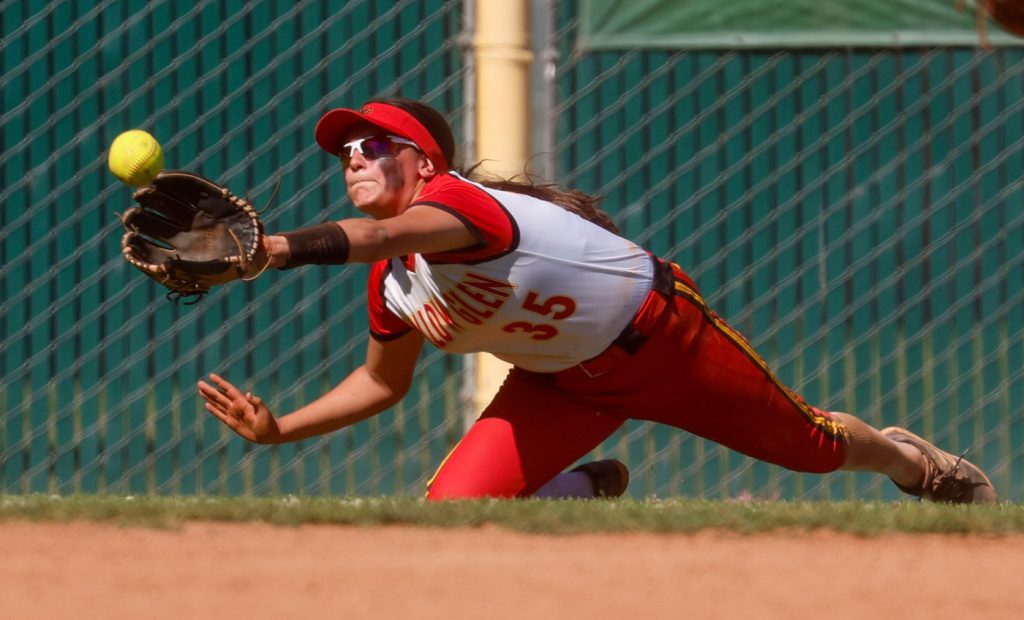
(857, 213)
(99, 370)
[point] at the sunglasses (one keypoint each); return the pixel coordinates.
(373, 147)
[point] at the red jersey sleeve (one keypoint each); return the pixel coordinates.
(384, 324)
(482, 214)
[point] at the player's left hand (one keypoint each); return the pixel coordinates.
(190, 233)
(244, 413)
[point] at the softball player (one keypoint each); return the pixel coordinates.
(598, 331)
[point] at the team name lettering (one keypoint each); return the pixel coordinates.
(472, 301)
(497, 288)
(459, 306)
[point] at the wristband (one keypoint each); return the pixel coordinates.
(323, 244)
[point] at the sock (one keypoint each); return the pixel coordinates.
(570, 484)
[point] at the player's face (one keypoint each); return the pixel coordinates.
(382, 171)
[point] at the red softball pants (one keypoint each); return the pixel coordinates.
(679, 365)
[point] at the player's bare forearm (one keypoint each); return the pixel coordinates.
(419, 230)
(358, 397)
(376, 385)
(373, 387)
(361, 395)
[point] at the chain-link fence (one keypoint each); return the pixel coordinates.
(856, 213)
(99, 370)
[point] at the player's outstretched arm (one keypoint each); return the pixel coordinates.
(373, 387)
(421, 229)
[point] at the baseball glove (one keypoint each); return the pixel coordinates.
(189, 233)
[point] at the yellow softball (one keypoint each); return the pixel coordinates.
(135, 158)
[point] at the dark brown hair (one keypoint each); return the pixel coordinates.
(574, 201)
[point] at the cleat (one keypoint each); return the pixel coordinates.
(610, 477)
(947, 478)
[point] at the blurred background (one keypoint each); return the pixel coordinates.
(843, 183)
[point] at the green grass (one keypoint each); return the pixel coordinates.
(535, 516)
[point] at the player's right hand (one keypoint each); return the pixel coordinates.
(246, 414)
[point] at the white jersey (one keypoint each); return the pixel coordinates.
(544, 290)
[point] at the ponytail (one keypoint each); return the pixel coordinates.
(572, 200)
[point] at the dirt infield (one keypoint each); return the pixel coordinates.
(228, 571)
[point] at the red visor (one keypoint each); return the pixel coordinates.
(330, 131)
